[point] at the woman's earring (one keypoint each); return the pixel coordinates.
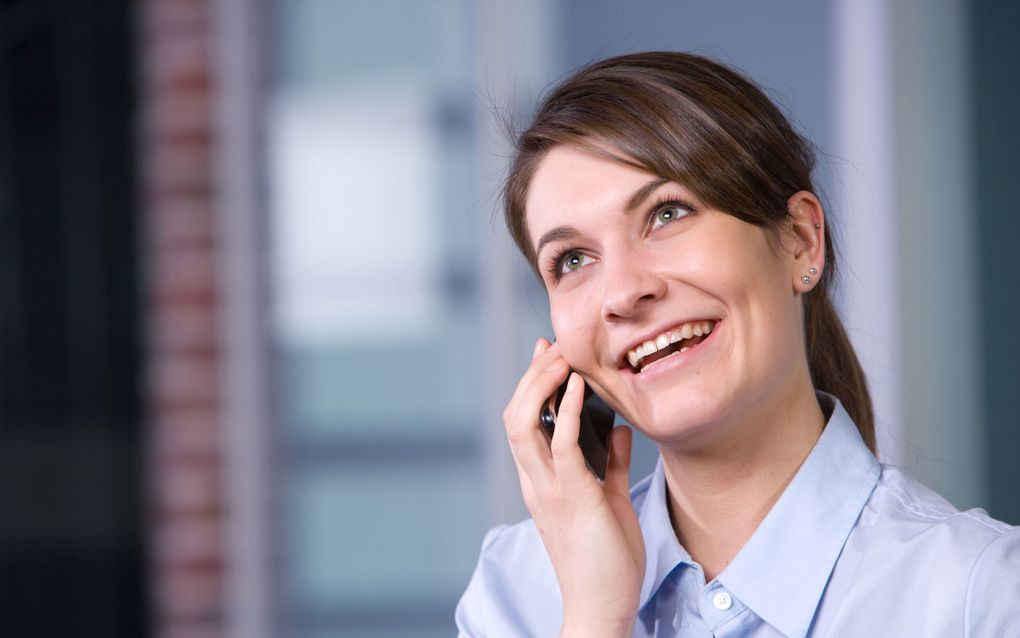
(812, 270)
(818, 225)
(806, 279)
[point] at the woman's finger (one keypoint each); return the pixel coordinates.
(540, 347)
(543, 354)
(566, 452)
(524, 431)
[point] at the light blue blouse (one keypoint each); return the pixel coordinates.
(851, 548)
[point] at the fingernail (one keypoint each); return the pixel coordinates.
(572, 382)
(538, 347)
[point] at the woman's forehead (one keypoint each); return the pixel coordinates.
(571, 183)
(568, 165)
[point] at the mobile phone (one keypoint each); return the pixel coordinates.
(596, 427)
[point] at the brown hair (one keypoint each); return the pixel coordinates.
(703, 125)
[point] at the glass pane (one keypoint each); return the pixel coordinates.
(374, 222)
(351, 390)
(374, 216)
(362, 535)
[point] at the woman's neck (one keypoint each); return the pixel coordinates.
(719, 496)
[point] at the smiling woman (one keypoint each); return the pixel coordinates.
(667, 205)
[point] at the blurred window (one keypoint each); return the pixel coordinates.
(376, 314)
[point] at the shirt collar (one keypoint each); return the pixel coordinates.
(782, 570)
(663, 551)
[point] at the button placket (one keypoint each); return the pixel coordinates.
(718, 606)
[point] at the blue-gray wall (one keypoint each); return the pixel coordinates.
(995, 52)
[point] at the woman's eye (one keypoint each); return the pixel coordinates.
(572, 261)
(668, 213)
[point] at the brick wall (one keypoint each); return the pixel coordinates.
(186, 558)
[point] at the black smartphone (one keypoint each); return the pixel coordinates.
(596, 427)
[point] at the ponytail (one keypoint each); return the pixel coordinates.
(833, 363)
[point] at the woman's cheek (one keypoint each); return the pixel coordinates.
(575, 335)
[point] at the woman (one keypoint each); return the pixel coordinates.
(668, 208)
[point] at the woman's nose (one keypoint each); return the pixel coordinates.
(630, 287)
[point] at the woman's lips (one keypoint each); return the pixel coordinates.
(676, 359)
(683, 335)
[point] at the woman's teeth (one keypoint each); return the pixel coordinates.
(667, 339)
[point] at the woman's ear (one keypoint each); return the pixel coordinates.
(805, 239)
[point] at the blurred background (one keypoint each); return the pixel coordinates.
(259, 316)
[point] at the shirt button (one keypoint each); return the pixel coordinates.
(722, 601)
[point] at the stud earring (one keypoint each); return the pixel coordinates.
(812, 270)
(818, 225)
(806, 279)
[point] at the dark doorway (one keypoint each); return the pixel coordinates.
(71, 548)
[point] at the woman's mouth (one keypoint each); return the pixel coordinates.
(673, 341)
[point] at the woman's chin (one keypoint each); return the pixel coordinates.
(675, 421)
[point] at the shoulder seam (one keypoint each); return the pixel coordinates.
(927, 513)
(934, 514)
(998, 529)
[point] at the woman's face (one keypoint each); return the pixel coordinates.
(629, 259)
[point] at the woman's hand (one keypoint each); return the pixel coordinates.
(589, 530)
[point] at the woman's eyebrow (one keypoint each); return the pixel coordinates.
(556, 234)
(560, 233)
(641, 194)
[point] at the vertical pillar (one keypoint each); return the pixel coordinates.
(182, 298)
